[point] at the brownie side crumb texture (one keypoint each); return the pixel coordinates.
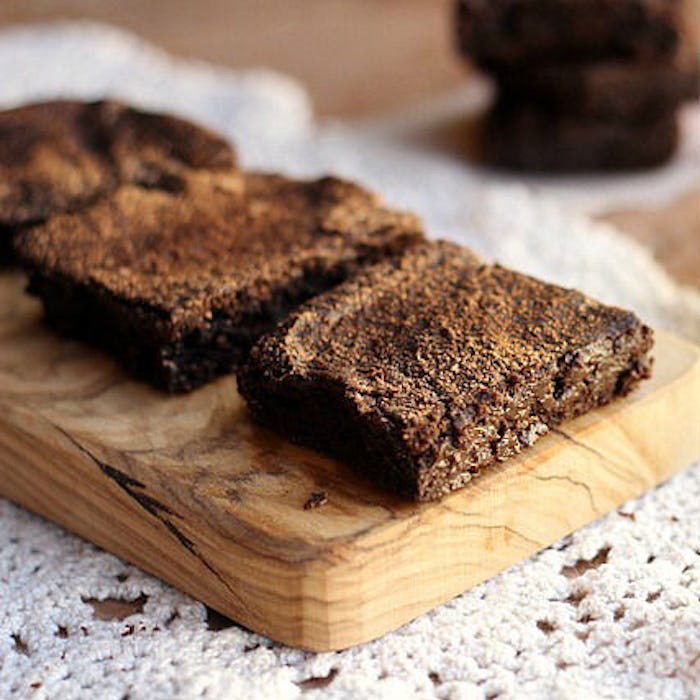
(63, 155)
(179, 285)
(522, 137)
(424, 370)
(495, 34)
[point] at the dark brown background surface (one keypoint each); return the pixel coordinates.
(358, 58)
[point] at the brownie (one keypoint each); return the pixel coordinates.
(499, 33)
(177, 285)
(521, 137)
(425, 369)
(63, 155)
(601, 90)
(158, 150)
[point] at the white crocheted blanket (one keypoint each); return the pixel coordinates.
(613, 611)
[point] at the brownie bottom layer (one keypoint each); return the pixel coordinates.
(526, 139)
(319, 415)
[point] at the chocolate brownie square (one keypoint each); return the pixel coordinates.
(611, 91)
(423, 370)
(63, 155)
(178, 285)
(523, 137)
(499, 33)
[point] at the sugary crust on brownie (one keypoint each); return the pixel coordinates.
(422, 371)
(47, 162)
(145, 144)
(187, 256)
(521, 137)
(499, 33)
(60, 156)
(178, 285)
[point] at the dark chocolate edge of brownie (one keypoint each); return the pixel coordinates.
(7, 253)
(85, 312)
(316, 412)
(319, 415)
(140, 336)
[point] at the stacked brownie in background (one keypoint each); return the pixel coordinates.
(581, 84)
(416, 362)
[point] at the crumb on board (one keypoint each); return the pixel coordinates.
(316, 500)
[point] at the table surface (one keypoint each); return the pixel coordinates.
(357, 58)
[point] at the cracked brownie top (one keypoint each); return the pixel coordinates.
(62, 155)
(219, 247)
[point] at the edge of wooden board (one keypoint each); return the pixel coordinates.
(358, 588)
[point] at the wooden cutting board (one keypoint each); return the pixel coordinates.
(190, 490)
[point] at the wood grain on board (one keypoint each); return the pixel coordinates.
(187, 488)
